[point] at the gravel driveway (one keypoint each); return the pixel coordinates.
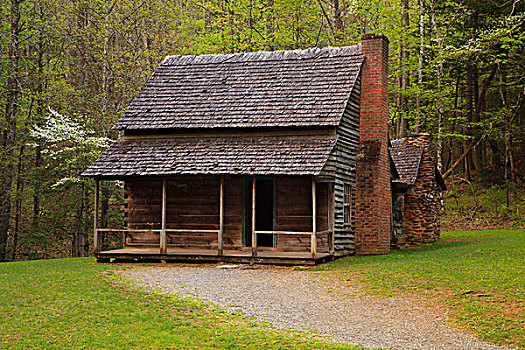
(299, 299)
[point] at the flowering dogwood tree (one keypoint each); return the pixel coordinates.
(69, 147)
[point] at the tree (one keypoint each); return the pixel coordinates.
(70, 148)
(12, 117)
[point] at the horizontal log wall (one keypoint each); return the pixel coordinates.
(192, 203)
(233, 212)
(340, 169)
(294, 213)
(142, 209)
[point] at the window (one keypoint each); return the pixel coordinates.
(347, 209)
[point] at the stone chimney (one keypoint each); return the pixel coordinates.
(373, 189)
(423, 140)
(423, 204)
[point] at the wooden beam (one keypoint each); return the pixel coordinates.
(331, 217)
(221, 217)
(96, 241)
(328, 210)
(163, 241)
(284, 233)
(254, 234)
(154, 230)
(313, 243)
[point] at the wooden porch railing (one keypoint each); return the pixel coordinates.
(125, 232)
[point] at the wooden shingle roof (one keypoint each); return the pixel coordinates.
(277, 155)
(406, 160)
(297, 88)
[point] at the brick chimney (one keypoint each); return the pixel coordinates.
(373, 190)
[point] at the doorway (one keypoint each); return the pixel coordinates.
(264, 211)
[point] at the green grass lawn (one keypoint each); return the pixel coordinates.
(72, 304)
(478, 275)
(75, 303)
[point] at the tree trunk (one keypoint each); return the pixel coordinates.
(403, 79)
(77, 249)
(18, 201)
(105, 66)
(338, 23)
(269, 25)
(420, 63)
(453, 126)
(232, 48)
(441, 109)
(104, 213)
(473, 128)
(36, 188)
(2, 40)
(470, 103)
(12, 116)
(40, 103)
(460, 159)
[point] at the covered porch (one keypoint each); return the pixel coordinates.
(285, 220)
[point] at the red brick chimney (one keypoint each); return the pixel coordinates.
(373, 191)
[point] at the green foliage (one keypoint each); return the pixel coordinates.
(74, 303)
(481, 206)
(477, 275)
(69, 145)
(88, 59)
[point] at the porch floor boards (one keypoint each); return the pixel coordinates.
(150, 254)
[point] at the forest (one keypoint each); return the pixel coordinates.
(69, 68)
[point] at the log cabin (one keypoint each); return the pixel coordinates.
(262, 157)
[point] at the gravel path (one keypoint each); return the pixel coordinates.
(299, 299)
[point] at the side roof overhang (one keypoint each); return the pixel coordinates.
(406, 162)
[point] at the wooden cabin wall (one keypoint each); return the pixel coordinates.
(192, 203)
(142, 209)
(340, 168)
(294, 213)
(233, 204)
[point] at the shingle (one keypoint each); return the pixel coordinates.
(277, 155)
(261, 89)
(406, 161)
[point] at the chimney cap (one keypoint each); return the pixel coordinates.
(374, 36)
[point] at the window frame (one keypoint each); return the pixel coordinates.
(347, 204)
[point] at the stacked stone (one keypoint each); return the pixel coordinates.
(423, 201)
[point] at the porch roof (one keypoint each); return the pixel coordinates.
(243, 155)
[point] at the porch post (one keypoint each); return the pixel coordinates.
(313, 243)
(254, 235)
(163, 246)
(96, 242)
(221, 217)
(331, 217)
